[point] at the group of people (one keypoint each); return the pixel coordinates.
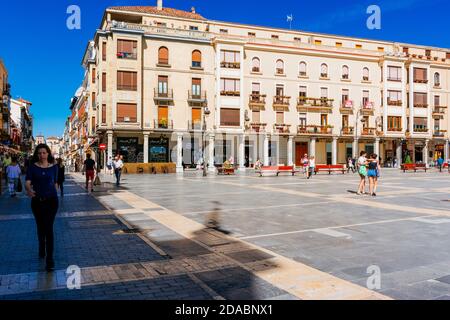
(309, 165)
(116, 166)
(368, 167)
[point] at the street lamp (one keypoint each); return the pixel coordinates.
(205, 112)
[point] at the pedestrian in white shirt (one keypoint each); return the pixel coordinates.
(13, 173)
(118, 165)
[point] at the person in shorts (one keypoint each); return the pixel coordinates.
(362, 170)
(372, 173)
(89, 170)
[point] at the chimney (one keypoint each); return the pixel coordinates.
(192, 9)
(159, 5)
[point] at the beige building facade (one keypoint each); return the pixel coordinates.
(167, 85)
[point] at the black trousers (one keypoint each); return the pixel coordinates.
(61, 187)
(44, 213)
(118, 173)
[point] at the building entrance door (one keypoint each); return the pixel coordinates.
(300, 149)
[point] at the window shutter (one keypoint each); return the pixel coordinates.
(230, 117)
(196, 56)
(104, 113)
(163, 113)
(104, 51)
(93, 75)
(196, 82)
(126, 110)
(104, 82)
(196, 115)
(163, 55)
(280, 117)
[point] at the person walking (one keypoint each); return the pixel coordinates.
(61, 176)
(372, 173)
(89, 170)
(41, 185)
(362, 165)
(118, 165)
(109, 165)
(350, 165)
(440, 163)
(311, 166)
(305, 162)
(13, 173)
(377, 177)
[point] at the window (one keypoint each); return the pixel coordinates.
(338, 44)
(196, 59)
(302, 119)
(256, 65)
(252, 35)
(420, 75)
(223, 31)
(94, 75)
(196, 87)
(345, 97)
(345, 72)
(126, 112)
(365, 74)
(324, 92)
(93, 99)
(93, 124)
(381, 49)
(163, 85)
(126, 80)
(317, 42)
(196, 116)
(280, 117)
(394, 123)
(297, 39)
(104, 51)
(437, 101)
(394, 73)
(104, 82)
(230, 117)
(358, 46)
(163, 56)
(280, 67)
(230, 87)
(365, 99)
(302, 92)
(103, 113)
(279, 90)
(324, 71)
(394, 98)
(344, 121)
(230, 59)
(437, 79)
(302, 69)
(365, 122)
(193, 28)
(420, 124)
(274, 36)
(163, 117)
(323, 120)
(405, 50)
(447, 55)
(127, 49)
(256, 116)
(420, 99)
(428, 53)
(256, 88)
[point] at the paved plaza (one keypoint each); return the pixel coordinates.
(237, 237)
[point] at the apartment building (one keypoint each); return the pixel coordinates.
(21, 124)
(162, 83)
(4, 104)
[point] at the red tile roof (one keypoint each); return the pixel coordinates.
(164, 12)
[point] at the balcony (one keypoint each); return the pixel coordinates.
(367, 109)
(196, 125)
(439, 133)
(163, 96)
(257, 101)
(420, 130)
(258, 127)
(230, 65)
(163, 124)
(346, 107)
(197, 98)
(281, 128)
(281, 103)
(315, 130)
(322, 105)
(439, 112)
(230, 93)
(396, 103)
(368, 132)
(347, 131)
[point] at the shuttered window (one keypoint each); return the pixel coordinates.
(196, 59)
(420, 74)
(103, 113)
(196, 115)
(163, 55)
(126, 80)
(230, 117)
(93, 75)
(280, 117)
(104, 82)
(93, 98)
(104, 51)
(126, 112)
(163, 115)
(163, 85)
(93, 124)
(420, 98)
(127, 49)
(196, 87)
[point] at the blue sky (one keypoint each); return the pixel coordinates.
(43, 57)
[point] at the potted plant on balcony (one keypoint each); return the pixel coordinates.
(163, 123)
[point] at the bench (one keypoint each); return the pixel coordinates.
(412, 166)
(277, 170)
(329, 168)
(225, 171)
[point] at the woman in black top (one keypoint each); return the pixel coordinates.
(61, 176)
(41, 185)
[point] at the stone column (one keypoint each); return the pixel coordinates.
(334, 149)
(145, 147)
(266, 149)
(355, 150)
(211, 153)
(377, 147)
(289, 150)
(110, 145)
(241, 152)
(446, 148)
(312, 147)
(425, 152)
(399, 153)
(179, 153)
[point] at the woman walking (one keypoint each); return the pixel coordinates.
(377, 176)
(13, 173)
(311, 166)
(362, 163)
(41, 185)
(305, 162)
(61, 176)
(372, 173)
